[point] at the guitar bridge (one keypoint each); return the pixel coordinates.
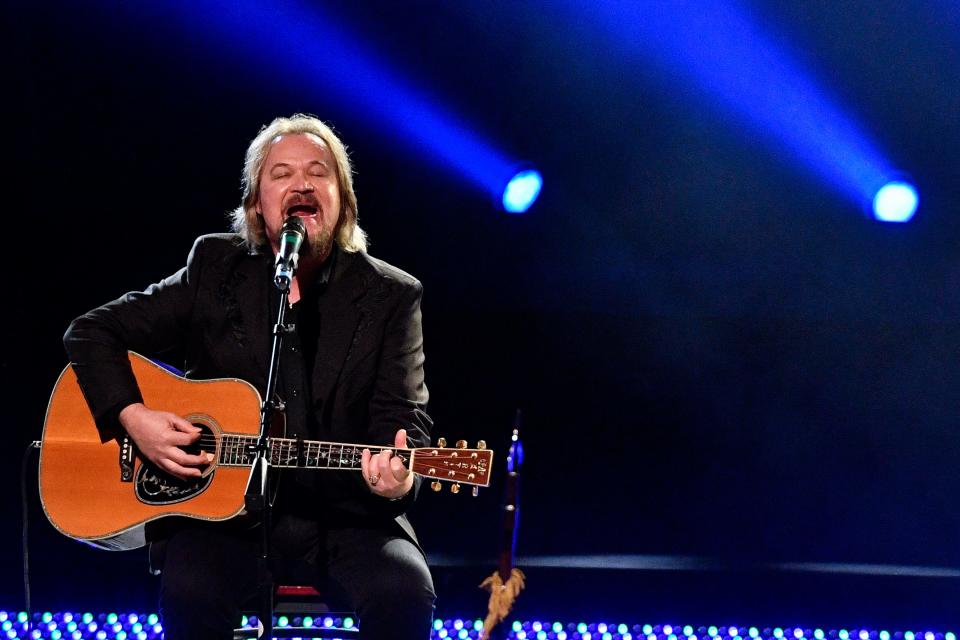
(126, 459)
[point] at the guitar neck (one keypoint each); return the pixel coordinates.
(291, 453)
(470, 466)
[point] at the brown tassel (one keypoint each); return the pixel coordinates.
(502, 596)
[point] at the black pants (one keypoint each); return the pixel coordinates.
(209, 574)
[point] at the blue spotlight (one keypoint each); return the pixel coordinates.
(719, 47)
(298, 45)
(895, 202)
(522, 191)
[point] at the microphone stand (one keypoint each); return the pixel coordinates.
(257, 498)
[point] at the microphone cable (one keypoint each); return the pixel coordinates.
(25, 513)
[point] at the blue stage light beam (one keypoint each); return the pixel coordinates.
(289, 45)
(715, 46)
(895, 202)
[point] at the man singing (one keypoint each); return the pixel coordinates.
(351, 372)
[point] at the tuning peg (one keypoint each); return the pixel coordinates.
(441, 442)
(435, 485)
(455, 487)
(475, 492)
(481, 444)
(461, 444)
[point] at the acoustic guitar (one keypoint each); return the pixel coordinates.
(103, 493)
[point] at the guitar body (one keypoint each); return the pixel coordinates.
(104, 493)
(83, 488)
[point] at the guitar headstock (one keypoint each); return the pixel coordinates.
(457, 465)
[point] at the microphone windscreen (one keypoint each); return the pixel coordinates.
(294, 224)
(292, 235)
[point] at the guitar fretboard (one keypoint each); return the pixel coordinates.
(240, 450)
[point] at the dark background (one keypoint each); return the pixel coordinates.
(717, 356)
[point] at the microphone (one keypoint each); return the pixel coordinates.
(292, 235)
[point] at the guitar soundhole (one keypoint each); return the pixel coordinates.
(203, 443)
(154, 486)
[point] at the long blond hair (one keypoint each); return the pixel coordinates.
(249, 223)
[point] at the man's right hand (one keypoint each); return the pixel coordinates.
(159, 436)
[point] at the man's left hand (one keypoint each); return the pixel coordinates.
(385, 474)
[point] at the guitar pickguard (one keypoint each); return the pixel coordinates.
(155, 487)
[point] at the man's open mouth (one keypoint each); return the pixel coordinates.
(302, 210)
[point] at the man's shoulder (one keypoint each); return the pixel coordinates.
(228, 249)
(384, 271)
(221, 243)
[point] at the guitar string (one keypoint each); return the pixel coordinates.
(317, 454)
(237, 441)
(206, 436)
(208, 439)
(250, 440)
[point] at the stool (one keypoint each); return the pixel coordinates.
(298, 603)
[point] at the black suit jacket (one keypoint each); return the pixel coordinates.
(217, 311)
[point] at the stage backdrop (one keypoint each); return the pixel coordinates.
(717, 354)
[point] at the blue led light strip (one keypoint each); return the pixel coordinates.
(144, 626)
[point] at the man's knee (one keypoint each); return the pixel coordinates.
(400, 582)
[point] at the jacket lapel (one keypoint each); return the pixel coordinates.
(342, 319)
(250, 292)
